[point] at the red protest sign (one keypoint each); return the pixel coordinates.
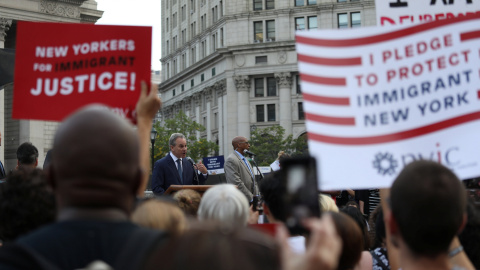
(60, 68)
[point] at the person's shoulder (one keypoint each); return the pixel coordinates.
(15, 257)
(232, 156)
(66, 229)
(41, 234)
(165, 159)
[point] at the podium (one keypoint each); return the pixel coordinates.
(199, 188)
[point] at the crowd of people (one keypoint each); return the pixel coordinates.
(86, 210)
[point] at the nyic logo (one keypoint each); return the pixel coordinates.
(386, 164)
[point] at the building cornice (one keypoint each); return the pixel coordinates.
(59, 9)
(195, 95)
(190, 71)
(220, 54)
(90, 15)
(75, 2)
(265, 46)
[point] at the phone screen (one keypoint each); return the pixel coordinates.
(301, 192)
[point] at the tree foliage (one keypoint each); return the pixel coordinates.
(267, 142)
(181, 123)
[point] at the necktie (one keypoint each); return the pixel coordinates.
(179, 168)
(252, 188)
(248, 166)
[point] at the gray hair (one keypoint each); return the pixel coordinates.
(226, 204)
(173, 139)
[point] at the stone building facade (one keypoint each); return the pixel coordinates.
(40, 133)
(231, 65)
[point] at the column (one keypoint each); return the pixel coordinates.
(227, 138)
(166, 113)
(197, 100)
(4, 26)
(188, 105)
(177, 108)
(284, 81)
(221, 91)
(242, 83)
(208, 98)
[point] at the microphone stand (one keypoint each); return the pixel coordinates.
(195, 173)
(197, 182)
(261, 174)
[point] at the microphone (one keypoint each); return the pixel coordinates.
(248, 152)
(191, 161)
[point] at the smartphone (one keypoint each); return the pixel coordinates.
(254, 203)
(299, 180)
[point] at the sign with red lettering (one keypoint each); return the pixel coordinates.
(382, 98)
(60, 68)
(407, 12)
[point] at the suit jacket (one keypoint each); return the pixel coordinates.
(237, 173)
(165, 173)
(2, 171)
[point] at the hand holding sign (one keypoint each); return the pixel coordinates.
(148, 104)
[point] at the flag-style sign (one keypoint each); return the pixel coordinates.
(408, 12)
(378, 98)
(60, 68)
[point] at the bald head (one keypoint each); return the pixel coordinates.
(96, 160)
(238, 140)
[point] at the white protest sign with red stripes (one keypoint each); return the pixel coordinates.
(376, 99)
(407, 12)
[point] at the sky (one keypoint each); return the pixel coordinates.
(138, 12)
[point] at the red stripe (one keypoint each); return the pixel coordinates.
(396, 136)
(323, 80)
(354, 61)
(383, 37)
(345, 121)
(327, 100)
(470, 35)
(478, 94)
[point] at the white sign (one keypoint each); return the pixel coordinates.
(404, 12)
(217, 171)
(384, 97)
(263, 170)
(275, 165)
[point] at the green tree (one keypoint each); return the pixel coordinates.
(267, 142)
(181, 123)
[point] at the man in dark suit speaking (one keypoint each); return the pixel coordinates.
(175, 169)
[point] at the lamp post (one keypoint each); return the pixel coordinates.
(153, 136)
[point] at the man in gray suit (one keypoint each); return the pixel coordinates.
(238, 170)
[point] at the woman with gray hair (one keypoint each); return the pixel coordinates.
(225, 204)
